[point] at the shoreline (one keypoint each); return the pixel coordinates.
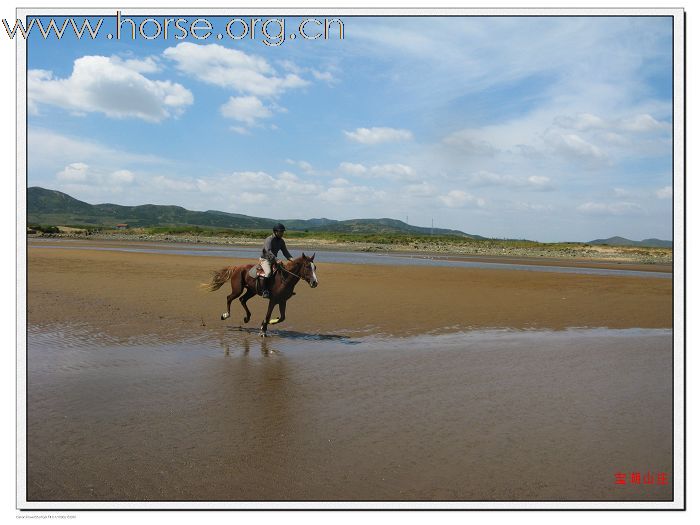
(522, 256)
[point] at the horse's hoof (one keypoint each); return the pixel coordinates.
(225, 316)
(246, 319)
(263, 334)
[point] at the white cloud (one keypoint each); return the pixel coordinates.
(580, 122)
(485, 178)
(352, 168)
(397, 172)
(250, 179)
(144, 65)
(575, 144)
(461, 199)
(290, 184)
(571, 145)
(362, 195)
(122, 177)
(253, 78)
(206, 186)
(467, 142)
(109, 85)
(477, 54)
(539, 181)
(305, 166)
(529, 207)
(665, 193)
(241, 130)
(245, 109)
(74, 172)
(642, 124)
(325, 76)
(378, 135)
(615, 139)
(230, 68)
(612, 208)
(169, 183)
(79, 173)
(49, 150)
(247, 197)
(286, 183)
(423, 189)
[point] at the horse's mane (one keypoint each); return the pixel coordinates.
(294, 262)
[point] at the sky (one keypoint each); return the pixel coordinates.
(545, 128)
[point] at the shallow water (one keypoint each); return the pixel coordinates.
(344, 257)
(229, 416)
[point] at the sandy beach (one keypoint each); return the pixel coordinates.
(131, 293)
(385, 383)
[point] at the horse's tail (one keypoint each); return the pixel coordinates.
(219, 278)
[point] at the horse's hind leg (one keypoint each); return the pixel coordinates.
(229, 298)
(248, 294)
(235, 292)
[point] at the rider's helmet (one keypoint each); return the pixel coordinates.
(279, 228)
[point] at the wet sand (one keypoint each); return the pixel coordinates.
(469, 417)
(131, 293)
(409, 384)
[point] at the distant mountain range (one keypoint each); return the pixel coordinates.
(51, 207)
(646, 243)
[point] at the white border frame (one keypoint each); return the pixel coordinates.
(679, 329)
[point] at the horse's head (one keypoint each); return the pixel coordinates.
(308, 270)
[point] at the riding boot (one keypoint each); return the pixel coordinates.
(265, 291)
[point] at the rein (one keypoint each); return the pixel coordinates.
(281, 266)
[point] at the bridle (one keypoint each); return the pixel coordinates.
(281, 267)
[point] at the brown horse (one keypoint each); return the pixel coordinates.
(281, 288)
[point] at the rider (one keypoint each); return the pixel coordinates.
(273, 244)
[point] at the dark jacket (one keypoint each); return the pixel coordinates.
(274, 244)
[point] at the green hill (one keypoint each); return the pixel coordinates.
(55, 208)
(51, 207)
(621, 241)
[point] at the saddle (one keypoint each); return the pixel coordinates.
(256, 271)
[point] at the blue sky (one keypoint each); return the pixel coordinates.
(546, 128)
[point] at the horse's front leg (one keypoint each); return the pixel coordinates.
(283, 309)
(266, 321)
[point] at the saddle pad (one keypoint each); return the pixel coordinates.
(256, 271)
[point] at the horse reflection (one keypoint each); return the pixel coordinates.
(266, 348)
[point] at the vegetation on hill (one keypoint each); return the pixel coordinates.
(55, 213)
(53, 207)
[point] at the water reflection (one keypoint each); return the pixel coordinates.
(229, 415)
(257, 393)
(231, 339)
(244, 341)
